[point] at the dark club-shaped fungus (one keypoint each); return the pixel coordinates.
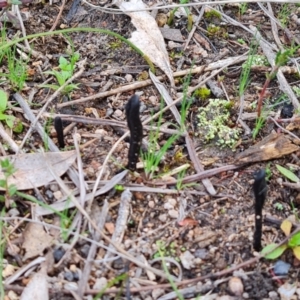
(136, 131)
(59, 131)
(260, 193)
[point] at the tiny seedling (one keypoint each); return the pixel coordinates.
(281, 59)
(188, 13)
(9, 120)
(162, 254)
(293, 243)
(66, 71)
(121, 279)
(278, 206)
(10, 189)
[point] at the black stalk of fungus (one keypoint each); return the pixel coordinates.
(59, 131)
(136, 131)
(260, 193)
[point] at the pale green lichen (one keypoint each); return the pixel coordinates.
(213, 123)
(256, 60)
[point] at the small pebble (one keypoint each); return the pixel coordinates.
(100, 283)
(201, 253)
(151, 204)
(53, 187)
(109, 112)
(172, 201)
(13, 212)
(84, 251)
(49, 194)
(236, 286)
(128, 77)
(69, 276)
(173, 213)
(281, 268)
(118, 113)
(163, 218)
(273, 295)
(118, 263)
(153, 100)
(168, 206)
(57, 195)
(12, 295)
(58, 254)
(187, 260)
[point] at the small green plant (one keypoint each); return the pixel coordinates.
(188, 13)
(288, 174)
(121, 279)
(293, 243)
(15, 66)
(216, 31)
(212, 13)
(152, 157)
(213, 123)
(9, 119)
(203, 93)
(66, 71)
(268, 172)
(243, 8)
(278, 206)
(280, 60)
(284, 14)
(241, 41)
(10, 189)
(162, 254)
(115, 44)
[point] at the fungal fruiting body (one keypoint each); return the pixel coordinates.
(59, 131)
(260, 193)
(136, 131)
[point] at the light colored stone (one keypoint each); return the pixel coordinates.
(236, 286)
(163, 218)
(188, 260)
(57, 195)
(100, 283)
(173, 213)
(118, 113)
(151, 204)
(128, 77)
(168, 206)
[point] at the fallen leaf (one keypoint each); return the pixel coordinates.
(148, 36)
(37, 288)
(286, 227)
(32, 170)
(110, 227)
(273, 146)
(36, 240)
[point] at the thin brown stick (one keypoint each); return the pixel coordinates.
(58, 16)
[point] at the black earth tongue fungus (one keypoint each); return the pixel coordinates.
(136, 131)
(260, 193)
(59, 131)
